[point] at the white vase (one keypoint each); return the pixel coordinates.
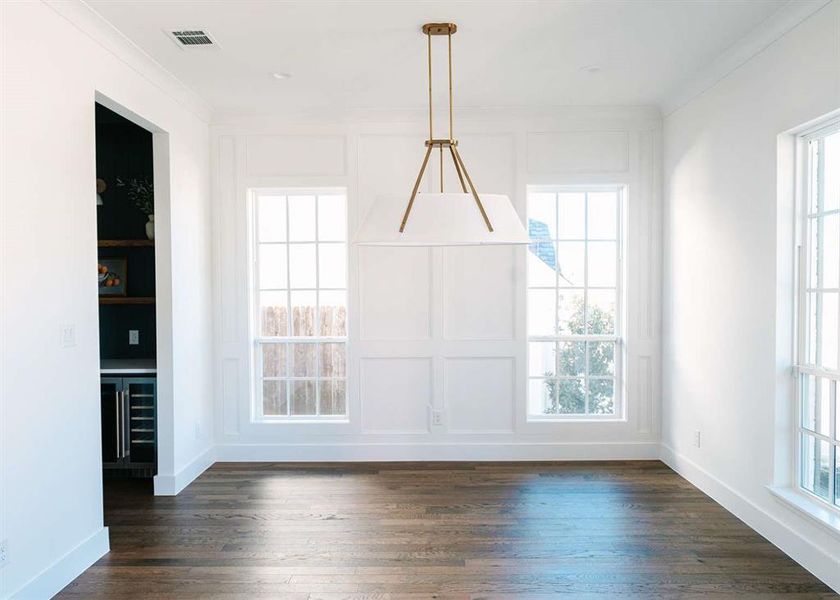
(150, 227)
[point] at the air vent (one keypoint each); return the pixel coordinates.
(191, 38)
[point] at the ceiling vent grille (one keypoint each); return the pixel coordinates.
(191, 38)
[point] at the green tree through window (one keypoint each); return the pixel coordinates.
(568, 396)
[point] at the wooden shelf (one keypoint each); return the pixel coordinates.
(125, 243)
(126, 300)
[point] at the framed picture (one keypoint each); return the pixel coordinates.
(112, 273)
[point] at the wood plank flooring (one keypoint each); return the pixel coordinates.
(434, 530)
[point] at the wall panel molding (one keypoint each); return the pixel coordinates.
(578, 152)
(395, 294)
(437, 317)
(295, 155)
(478, 393)
(470, 276)
(227, 240)
(231, 389)
(398, 393)
(644, 392)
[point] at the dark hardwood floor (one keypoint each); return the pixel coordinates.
(454, 530)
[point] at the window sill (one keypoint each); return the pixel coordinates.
(827, 518)
(572, 419)
(301, 421)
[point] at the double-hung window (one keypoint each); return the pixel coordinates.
(818, 331)
(574, 302)
(299, 304)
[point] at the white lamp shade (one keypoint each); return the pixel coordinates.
(442, 220)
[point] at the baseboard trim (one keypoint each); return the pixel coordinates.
(456, 452)
(55, 577)
(811, 557)
(171, 485)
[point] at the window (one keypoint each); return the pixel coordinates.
(574, 302)
(300, 304)
(818, 427)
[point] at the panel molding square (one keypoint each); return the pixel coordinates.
(396, 394)
(295, 155)
(578, 152)
(480, 394)
(479, 286)
(387, 165)
(395, 287)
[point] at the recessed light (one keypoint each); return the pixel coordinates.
(281, 75)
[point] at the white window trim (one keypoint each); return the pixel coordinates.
(823, 512)
(254, 290)
(620, 414)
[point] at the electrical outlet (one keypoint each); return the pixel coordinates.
(4, 553)
(696, 438)
(67, 335)
(437, 417)
(133, 337)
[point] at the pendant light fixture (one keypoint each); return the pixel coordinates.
(443, 218)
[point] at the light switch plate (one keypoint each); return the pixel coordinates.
(67, 335)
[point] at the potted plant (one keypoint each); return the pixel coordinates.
(141, 192)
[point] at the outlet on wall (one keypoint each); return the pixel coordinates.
(437, 417)
(133, 337)
(4, 553)
(696, 438)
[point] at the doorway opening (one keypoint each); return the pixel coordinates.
(129, 261)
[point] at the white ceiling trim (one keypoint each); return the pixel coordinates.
(774, 27)
(114, 41)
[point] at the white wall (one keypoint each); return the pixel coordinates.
(435, 318)
(50, 487)
(727, 295)
(423, 321)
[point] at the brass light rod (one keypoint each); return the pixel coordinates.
(447, 29)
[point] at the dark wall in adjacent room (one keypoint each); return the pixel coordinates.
(124, 150)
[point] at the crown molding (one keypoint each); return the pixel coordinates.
(100, 30)
(771, 29)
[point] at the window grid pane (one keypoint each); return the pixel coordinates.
(580, 245)
(818, 427)
(301, 344)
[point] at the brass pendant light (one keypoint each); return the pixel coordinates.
(440, 219)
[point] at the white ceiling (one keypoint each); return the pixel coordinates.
(371, 55)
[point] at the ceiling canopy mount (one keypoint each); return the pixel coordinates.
(439, 28)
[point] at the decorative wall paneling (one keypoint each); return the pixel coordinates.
(438, 329)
